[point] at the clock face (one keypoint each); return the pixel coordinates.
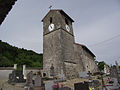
(67, 28)
(51, 27)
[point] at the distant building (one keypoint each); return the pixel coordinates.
(60, 49)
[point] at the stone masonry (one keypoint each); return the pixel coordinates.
(60, 49)
(85, 59)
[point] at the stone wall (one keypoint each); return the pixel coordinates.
(52, 52)
(5, 71)
(78, 57)
(71, 70)
(89, 61)
(57, 47)
(67, 42)
(85, 59)
(4, 74)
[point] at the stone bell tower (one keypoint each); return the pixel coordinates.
(58, 43)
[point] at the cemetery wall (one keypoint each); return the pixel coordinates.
(4, 72)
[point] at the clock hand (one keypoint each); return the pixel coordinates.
(50, 26)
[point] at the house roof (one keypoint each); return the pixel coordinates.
(61, 11)
(84, 47)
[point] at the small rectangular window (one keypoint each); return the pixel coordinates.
(66, 21)
(50, 19)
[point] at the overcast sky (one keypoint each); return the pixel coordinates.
(97, 25)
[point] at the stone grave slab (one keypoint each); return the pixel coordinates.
(38, 81)
(29, 81)
(49, 85)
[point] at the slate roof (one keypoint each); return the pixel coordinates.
(62, 13)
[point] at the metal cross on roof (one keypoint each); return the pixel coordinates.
(50, 7)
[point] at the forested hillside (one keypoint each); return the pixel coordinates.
(10, 55)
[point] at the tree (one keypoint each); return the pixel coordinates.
(10, 55)
(5, 62)
(101, 65)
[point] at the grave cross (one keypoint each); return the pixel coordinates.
(89, 74)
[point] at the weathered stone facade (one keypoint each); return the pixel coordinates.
(85, 59)
(59, 48)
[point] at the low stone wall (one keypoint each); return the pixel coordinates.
(4, 74)
(5, 71)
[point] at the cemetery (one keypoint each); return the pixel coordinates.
(66, 65)
(35, 80)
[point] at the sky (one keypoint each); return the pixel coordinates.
(97, 25)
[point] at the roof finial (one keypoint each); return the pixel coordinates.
(50, 7)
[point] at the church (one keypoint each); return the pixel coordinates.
(60, 52)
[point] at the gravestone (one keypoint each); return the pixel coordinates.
(16, 77)
(21, 78)
(29, 81)
(81, 86)
(12, 77)
(115, 82)
(64, 88)
(49, 85)
(61, 78)
(38, 81)
(96, 83)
